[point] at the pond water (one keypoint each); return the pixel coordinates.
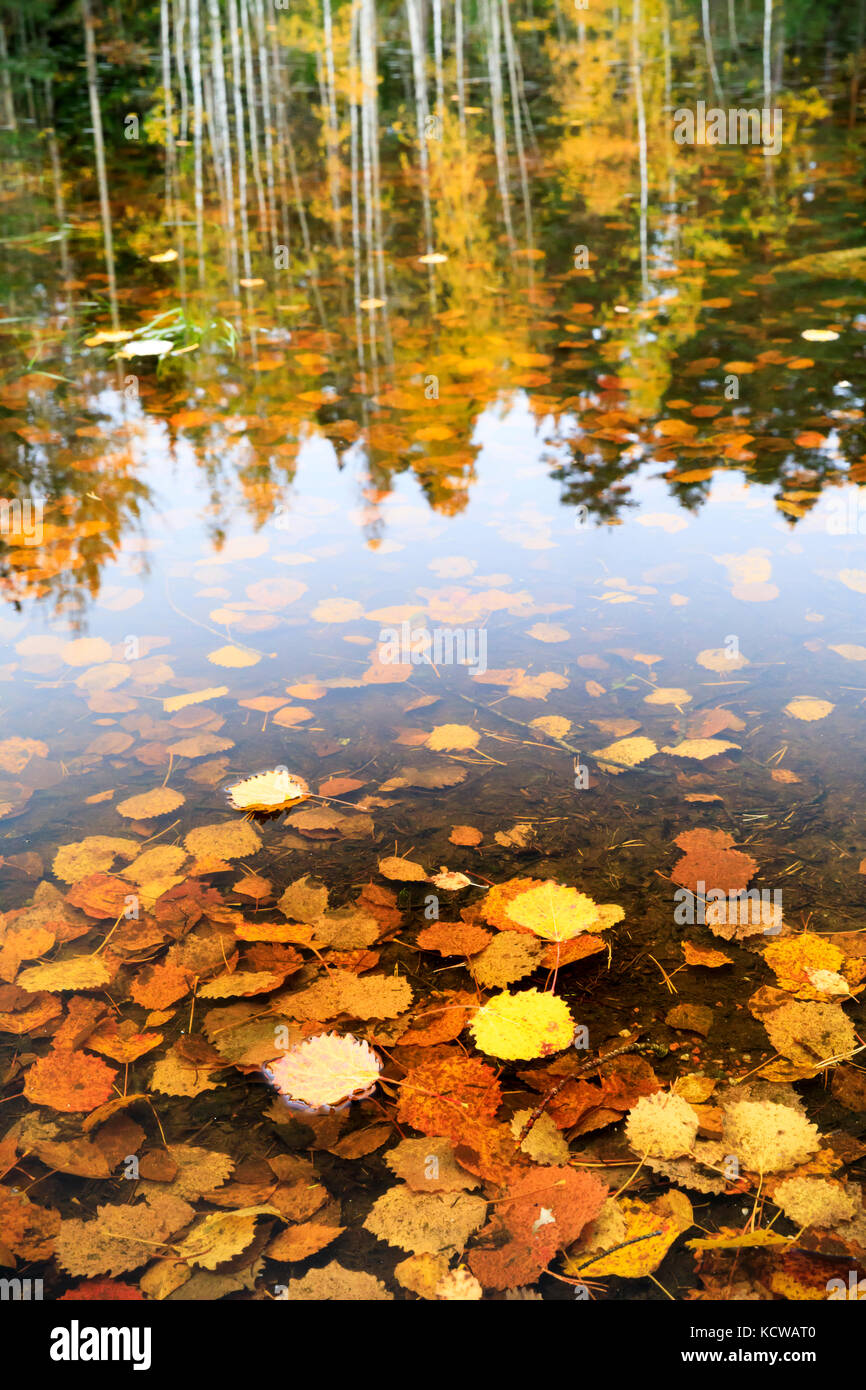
(550, 438)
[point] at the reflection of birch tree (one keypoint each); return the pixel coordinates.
(768, 36)
(99, 151)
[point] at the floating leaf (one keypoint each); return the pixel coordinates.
(326, 1070)
(268, 791)
(529, 1024)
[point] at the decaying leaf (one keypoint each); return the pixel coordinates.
(662, 1125)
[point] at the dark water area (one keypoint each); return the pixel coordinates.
(431, 469)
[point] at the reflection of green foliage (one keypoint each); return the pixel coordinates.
(178, 327)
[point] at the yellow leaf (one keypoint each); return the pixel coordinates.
(728, 1239)
(233, 656)
(667, 695)
(699, 748)
(652, 1234)
(452, 737)
(629, 751)
(530, 1024)
(232, 839)
(554, 912)
(850, 651)
(548, 632)
(157, 802)
(195, 697)
(326, 1070)
(854, 579)
(553, 724)
(337, 610)
(807, 708)
(721, 660)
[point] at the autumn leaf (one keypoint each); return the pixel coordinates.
(221, 1236)
(653, 1233)
(557, 913)
(805, 707)
(326, 1070)
(453, 738)
(465, 835)
(699, 748)
(77, 972)
(627, 752)
(663, 1125)
(402, 870)
(268, 791)
(767, 1137)
(529, 1024)
(69, 1081)
(454, 938)
(425, 1222)
(440, 1096)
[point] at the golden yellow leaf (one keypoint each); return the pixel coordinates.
(16, 753)
(233, 656)
(548, 632)
(80, 972)
(667, 695)
(337, 610)
(653, 1235)
(729, 1239)
(699, 748)
(157, 802)
(555, 912)
(722, 661)
(290, 715)
(529, 1024)
(222, 1235)
(452, 737)
(807, 708)
(86, 651)
(628, 751)
(850, 651)
(795, 958)
(553, 724)
(195, 697)
(228, 840)
(93, 855)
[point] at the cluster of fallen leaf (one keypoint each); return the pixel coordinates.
(125, 1022)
